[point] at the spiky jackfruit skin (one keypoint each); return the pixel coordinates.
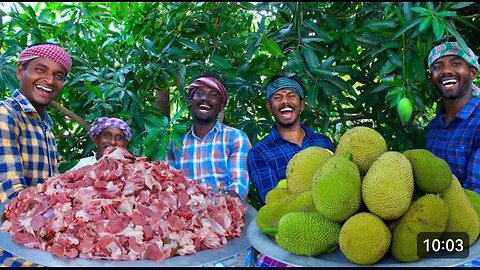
(307, 234)
(282, 183)
(427, 214)
(474, 199)
(364, 238)
(269, 214)
(336, 189)
(365, 144)
(431, 173)
(276, 194)
(302, 167)
(463, 217)
(387, 188)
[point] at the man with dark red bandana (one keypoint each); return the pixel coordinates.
(28, 151)
(213, 153)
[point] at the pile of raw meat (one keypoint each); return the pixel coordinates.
(123, 208)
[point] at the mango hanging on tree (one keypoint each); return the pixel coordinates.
(404, 110)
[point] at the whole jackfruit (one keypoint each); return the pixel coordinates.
(336, 189)
(365, 144)
(302, 167)
(364, 238)
(427, 214)
(387, 188)
(474, 199)
(276, 194)
(269, 214)
(307, 234)
(431, 173)
(463, 217)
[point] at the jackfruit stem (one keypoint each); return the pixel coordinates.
(270, 230)
(348, 155)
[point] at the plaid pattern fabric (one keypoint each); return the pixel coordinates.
(268, 159)
(105, 122)
(28, 151)
(8, 260)
(283, 83)
(51, 52)
(219, 160)
(264, 261)
(452, 48)
(458, 143)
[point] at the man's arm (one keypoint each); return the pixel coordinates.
(473, 172)
(263, 177)
(237, 162)
(11, 169)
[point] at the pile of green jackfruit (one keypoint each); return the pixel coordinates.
(366, 201)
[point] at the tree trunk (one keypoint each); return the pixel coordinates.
(163, 102)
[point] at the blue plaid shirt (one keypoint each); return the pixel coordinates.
(268, 159)
(458, 143)
(28, 150)
(219, 160)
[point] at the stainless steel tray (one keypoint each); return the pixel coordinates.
(267, 246)
(233, 246)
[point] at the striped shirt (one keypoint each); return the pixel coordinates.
(28, 151)
(458, 143)
(268, 159)
(219, 160)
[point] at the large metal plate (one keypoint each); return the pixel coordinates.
(267, 246)
(209, 256)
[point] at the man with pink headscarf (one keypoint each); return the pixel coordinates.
(28, 150)
(213, 153)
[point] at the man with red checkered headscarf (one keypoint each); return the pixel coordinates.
(213, 153)
(28, 150)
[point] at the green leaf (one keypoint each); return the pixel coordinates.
(446, 13)
(393, 58)
(310, 57)
(187, 43)
(438, 28)
(425, 24)
(462, 5)
(150, 46)
(407, 27)
(272, 47)
(220, 62)
(422, 11)
(382, 25)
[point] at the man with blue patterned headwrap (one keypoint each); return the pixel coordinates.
(268, 159)
(453, 134)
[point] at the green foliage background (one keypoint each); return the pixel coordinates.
(356, 59)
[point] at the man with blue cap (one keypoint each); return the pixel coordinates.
(268, 159)
(453, 134)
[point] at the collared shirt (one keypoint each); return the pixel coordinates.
(458, 143)
(218, 160)
(28, 150)
(268, 159)
(84, 162)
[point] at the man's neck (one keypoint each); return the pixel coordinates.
(293, 134)
(454, 106)
(201, 129)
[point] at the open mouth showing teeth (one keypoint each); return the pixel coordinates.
(46, 89)
(204, 108)
(285, 110)
(449, 82)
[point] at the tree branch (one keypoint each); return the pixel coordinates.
(70, 114)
